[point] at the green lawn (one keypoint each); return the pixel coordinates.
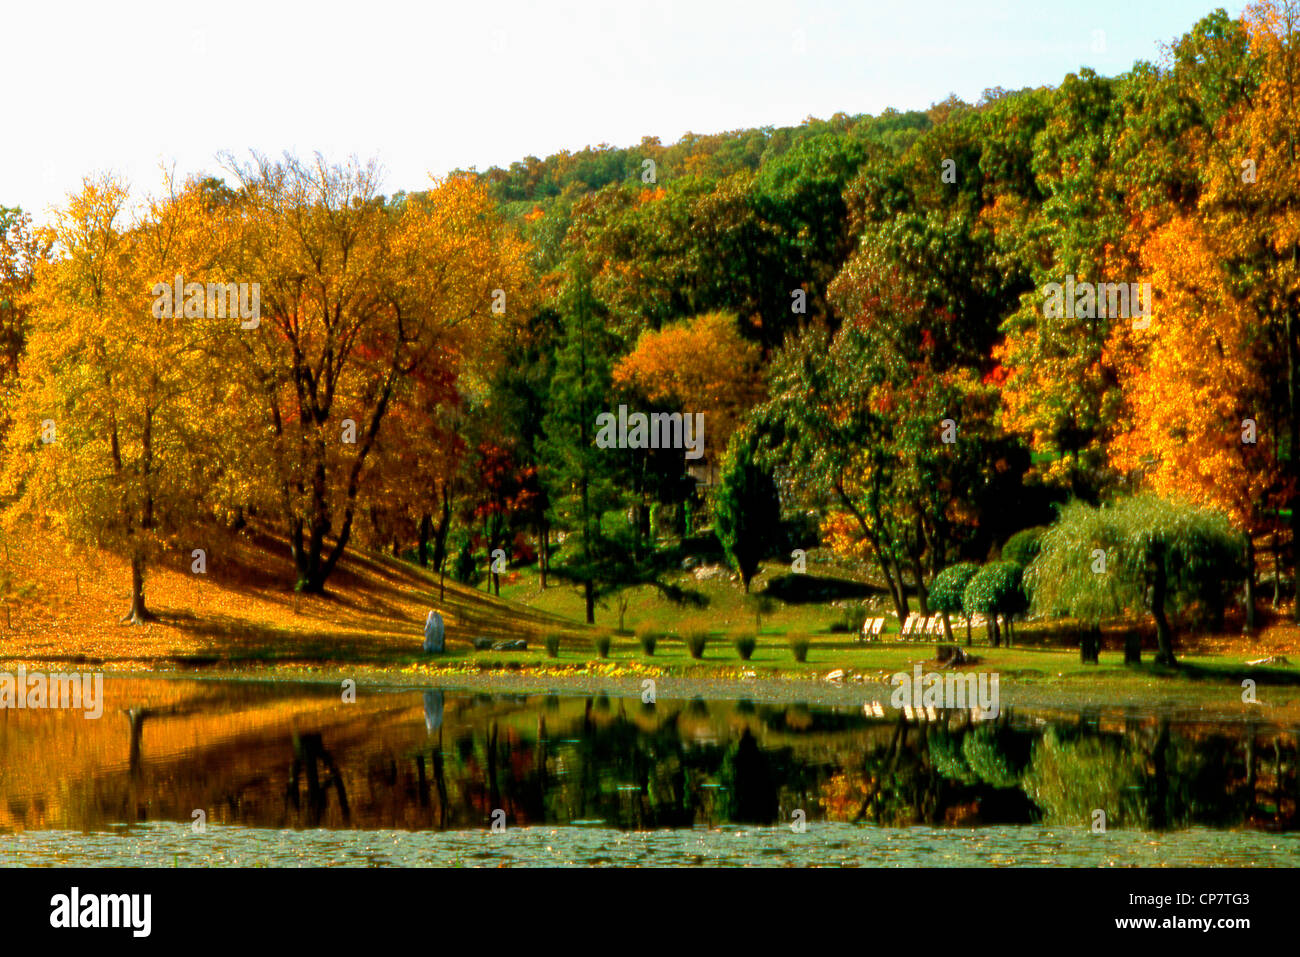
(726, 607)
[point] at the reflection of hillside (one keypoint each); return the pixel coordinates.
(261, 756)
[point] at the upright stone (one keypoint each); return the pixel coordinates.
(433, 633)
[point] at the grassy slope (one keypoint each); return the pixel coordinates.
(243, 610)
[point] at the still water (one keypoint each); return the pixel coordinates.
(203, 773)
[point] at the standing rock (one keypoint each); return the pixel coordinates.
(433, 642)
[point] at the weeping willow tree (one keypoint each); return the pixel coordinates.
(1143, 552)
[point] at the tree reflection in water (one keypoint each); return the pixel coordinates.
(447, 760)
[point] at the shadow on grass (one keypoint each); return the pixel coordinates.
(805, 589)
(1228, 674)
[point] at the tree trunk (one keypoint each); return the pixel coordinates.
(1164, 636)
(1133, 648)
(440, 532)
(947, 627)
(589, 593)
(1250, 582)
(1277, 569)
(422, 546)
(139, 614)
(922, 595)
(543, 533)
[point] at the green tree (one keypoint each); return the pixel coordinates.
(1141, 552)
(578, 475)
(746, 509)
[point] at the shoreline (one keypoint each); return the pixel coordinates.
(1183, 699)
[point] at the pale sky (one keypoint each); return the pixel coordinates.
(129, 87)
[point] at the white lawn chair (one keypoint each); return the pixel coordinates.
(877, 627)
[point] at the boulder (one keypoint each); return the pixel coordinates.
(517, 644)
(433, 634)
(482, 644)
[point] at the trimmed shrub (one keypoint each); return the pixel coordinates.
(602, 643)
(552, 646)
(799, 647)
(695, 642)
(996, 589)
(648, 637)
(745, 645)
(949, 588)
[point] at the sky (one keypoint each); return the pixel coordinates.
(131, 88)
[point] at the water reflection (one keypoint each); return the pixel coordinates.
(264, 756)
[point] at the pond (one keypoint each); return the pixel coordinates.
(204, 773)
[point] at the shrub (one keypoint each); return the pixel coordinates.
(1023, 547)
(745, 645)
(949, 588)
(602, 643)
(996, 589)
(799, 646)
(648, 637)
(854, 617)
(695, 642)
(553, 646)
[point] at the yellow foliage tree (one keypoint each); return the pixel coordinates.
(701, 364)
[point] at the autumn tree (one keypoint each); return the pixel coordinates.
(109, 443)
(21, 249)
(697, 365)
(1250, 217)
(357, 295)
(1203, 423)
